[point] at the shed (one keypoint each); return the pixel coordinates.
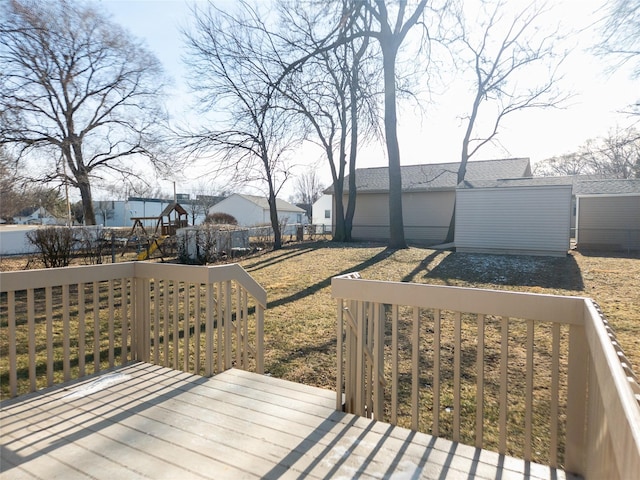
(525, 216)
(608, 215)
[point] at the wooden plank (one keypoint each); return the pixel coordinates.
(164, 423)
(49, 333)
(528, 396)
(436, 372)
(554, 395)
(82, 331)
(457, 362)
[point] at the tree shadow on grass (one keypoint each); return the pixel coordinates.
(312, 289)
(516, 270)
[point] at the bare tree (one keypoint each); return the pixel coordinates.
(308, 186)
(621, 34)
(335, 92)
(568, 164)
(501, 51)
(393, 30)
(17, 193)
(615, 156)
(234, 61)
(77, 91)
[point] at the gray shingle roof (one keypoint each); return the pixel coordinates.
(582, 184)
(591, 187)
(437, 176)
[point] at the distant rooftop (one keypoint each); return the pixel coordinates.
(581, 184)
(437, 176)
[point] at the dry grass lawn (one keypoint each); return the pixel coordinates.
(300, 319)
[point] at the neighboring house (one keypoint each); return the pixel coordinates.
(428, 197)
(251, 210)
(36, 216)
(608, 214)
(322, 212)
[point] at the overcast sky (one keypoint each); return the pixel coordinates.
(592, 112)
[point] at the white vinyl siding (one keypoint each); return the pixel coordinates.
(246, 212)
(518, 220)
(609, 222)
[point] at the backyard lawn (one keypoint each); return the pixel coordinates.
(301, 315)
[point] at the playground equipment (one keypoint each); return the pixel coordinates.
(172, 218)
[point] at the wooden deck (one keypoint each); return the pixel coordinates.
(145, 421)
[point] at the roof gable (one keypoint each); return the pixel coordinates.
(437, 176)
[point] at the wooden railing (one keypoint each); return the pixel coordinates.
(65, 323)
(539, 377)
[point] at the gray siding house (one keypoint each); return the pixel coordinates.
(429, 193)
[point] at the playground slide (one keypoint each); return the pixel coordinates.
(146, 253)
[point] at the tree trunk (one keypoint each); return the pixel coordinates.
(339, 234)
(275, 224)
(353, 152)
(87, 200)
(462, 169)
(396, 224)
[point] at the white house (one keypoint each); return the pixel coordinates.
(251, 210)
(322, 212)
(36, 216)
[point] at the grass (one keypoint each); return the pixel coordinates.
(300, 318)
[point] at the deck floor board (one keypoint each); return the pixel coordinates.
(146, 421)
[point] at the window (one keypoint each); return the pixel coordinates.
(327, 214)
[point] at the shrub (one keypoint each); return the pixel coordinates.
(92, 245)
(54, 245)
(221, 218)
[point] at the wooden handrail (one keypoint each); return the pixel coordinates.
(159, 313)
(601, 436)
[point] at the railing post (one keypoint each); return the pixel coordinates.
(576, 400)
(208, 331)
(339, 352)
(139, 316)
(260, 339)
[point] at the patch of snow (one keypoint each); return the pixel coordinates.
(101, 383)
